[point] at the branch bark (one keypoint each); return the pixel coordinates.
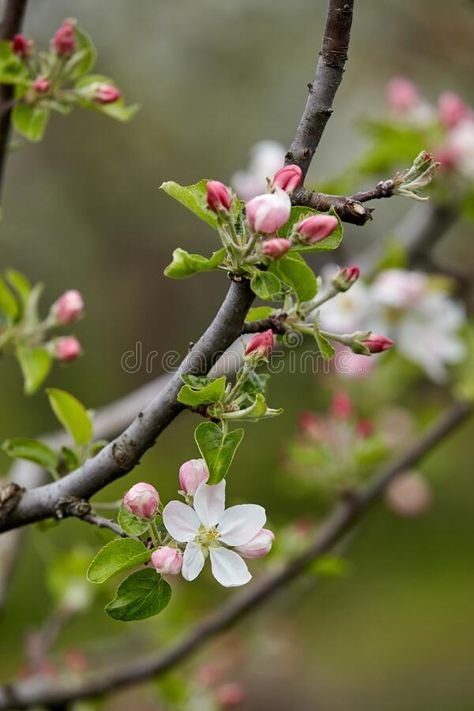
(44, 692)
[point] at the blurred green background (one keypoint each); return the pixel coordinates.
(83, 210)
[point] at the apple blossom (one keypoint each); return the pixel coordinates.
(316, 228)
(21, 45)
(142, 500)
(409, 495)
(376, 343)
(265, 158)
(167, 560)
(210, 530)
(64, 41)
(218, 196)
(106, 94)
(460, 143)
(66, 348)
(288, 178)
(261, 345)
(276, 247)
(41, 85)
(191, 474)
(451, 109)
(346, 277)
(267, 213)
(341, 406)
(402, 94)
(259, 546)
(68, 307)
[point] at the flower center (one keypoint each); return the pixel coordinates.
(207, 537)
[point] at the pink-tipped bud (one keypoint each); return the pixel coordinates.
(346, 277)
(288, 178)
(64, 41)
(68, 307)
(377, 343)
(341, 406)
(259, 546)
(191, 474)
(106, 94)
(41, 85)
(276, 247)
(260, 345)
(267, 213)
(451, 109)
(142, 500)
(314, 229)
(21, 46)
(402, 95)
(230, 694)
(67, 349)
(218, 196)
(167, 560)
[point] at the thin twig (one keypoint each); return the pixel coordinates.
(42, 692)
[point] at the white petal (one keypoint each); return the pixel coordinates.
(240, 524)
(228, 568)
(193, 562)
(209, 503)
(181, 521)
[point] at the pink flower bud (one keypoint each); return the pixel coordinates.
(41, 85)
(106, 94)
(314, 229)
(64, 41)
(261, 344)
(288, 178)
(67, 349)
(142, 500)
(402, 95)
(230, 694)
(341, 406)
(276, 247)
(267, 213)
(167, 560)
(451, 109)
(191, 474)
(409, 495)
(377, 343)
(259, 546)
(218, 196)
(68, 307)
(21, 46)
(346, 277)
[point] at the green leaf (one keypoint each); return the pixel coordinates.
(185, 265)
(194, 197)
(326, 348)
(8, 303)
(257, 410)
(117, 555)
(195, 381)
(213, 392)
(141, 595)
(12, 69)
(393, 145)
(217, 449)
(266, 285)
(131, 524)
(293, 270)
(71, 414)
(70, 458)
(84, 58)
(33, 451)
(258, 313)
(35, 364)
(300, 213)
(30, 121)
(21, 285)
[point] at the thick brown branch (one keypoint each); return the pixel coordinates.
(42, 692)
(329, 71)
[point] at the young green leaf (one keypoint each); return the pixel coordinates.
(266, 285)
(213, 392)
(21, 285)
(35, 364)
(195, 381)
(30, 121)
(293, 270)
(33, 451)
(8, 304)
(12, 69)
(326, 348)
(84, 58)
(117, 555)
(141, 595)
(71, 414)
(218, 449)
(70, 458)
(258, 313)
(185, 265)
(131, 524)
(194, 197)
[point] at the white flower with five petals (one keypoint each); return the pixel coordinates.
(208, 529)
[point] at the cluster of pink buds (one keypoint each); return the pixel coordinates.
(261, 345)
(64, 41)
(142, 500)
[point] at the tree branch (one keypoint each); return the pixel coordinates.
(329, 71)
(44, 692)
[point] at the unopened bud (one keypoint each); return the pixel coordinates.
(167, 560)
(259, 546)
(267, 213)
(288, 178)
(41, 85)
(346, 277)
(218, 196)
(191, 474)
(276, 247)
(68, 307)
(402, 95)
(64, 41)
(260, 345)
(314, 229)
(66, 349)
(142, 500)
(21, 46)
(377, 343)
(106, 94)
(451, 109)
